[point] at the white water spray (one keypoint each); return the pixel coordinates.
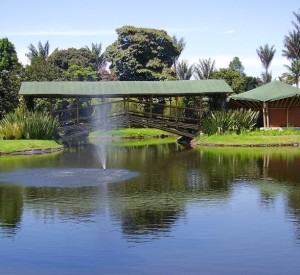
(100, 123)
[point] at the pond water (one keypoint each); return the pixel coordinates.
(161, 209)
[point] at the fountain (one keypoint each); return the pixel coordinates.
(65, 177)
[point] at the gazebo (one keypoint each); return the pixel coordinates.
(279, 103)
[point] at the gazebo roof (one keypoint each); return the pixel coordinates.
(271, 91)
(122, 88)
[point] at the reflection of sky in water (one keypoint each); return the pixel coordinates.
(65, 177)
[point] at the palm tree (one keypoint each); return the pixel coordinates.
(293, 74)
(292, 53)
(96, 53)
(204, 69)
(266, 54)
(180, 45)
(42, 52)
(184, 71)
(292, 45)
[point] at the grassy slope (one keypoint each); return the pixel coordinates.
(9, 146)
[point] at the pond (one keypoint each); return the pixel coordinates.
(161, 209)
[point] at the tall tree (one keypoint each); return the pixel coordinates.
(41, 52)
(41, 70)
(205, 69)
(83, 57)
(266, 55)
(10, 77)
(8, 55)
(9, 87)
(236, 65)
(142, 54)
(232, 78)
(184, 70)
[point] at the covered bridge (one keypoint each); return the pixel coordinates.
(166, 114)
(119, 89)
(278, 102)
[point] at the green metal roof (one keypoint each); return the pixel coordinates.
(121, 88)
(271, 91)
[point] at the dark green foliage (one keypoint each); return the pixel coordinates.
(83, 57)
(232, 78)
(8, 55)
(9, 87)
(233, 121)
(251, 83)
(23, 124)
(43, 70)
(142, 54)
(77, 73)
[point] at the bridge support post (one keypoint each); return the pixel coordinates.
(77, 112)
(126, 109)
(176, 109)
(151, 106)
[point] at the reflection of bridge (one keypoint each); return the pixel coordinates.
(153, 104)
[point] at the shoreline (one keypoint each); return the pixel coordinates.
(36, 151)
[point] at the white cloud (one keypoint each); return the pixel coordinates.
(226, 32)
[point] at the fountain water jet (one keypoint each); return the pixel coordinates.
(100, 122)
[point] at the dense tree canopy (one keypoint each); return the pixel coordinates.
(64, 59)
(142, 54)
(8, 55)
(77, 73)
(10, 72)
(9, 87)
(232, 78)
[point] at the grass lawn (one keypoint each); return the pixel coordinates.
(10, 146)
(256, 138)
(131, 133)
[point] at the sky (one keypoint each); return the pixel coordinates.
(216, 29)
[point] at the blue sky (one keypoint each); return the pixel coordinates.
(217, 29)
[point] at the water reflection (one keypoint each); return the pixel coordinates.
(150, 205)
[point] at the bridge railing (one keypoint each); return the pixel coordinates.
(144, 112)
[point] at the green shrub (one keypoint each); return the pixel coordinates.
(233, 121)
(28, 125)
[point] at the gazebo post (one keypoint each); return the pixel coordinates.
(267, 109)
(265, 115)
